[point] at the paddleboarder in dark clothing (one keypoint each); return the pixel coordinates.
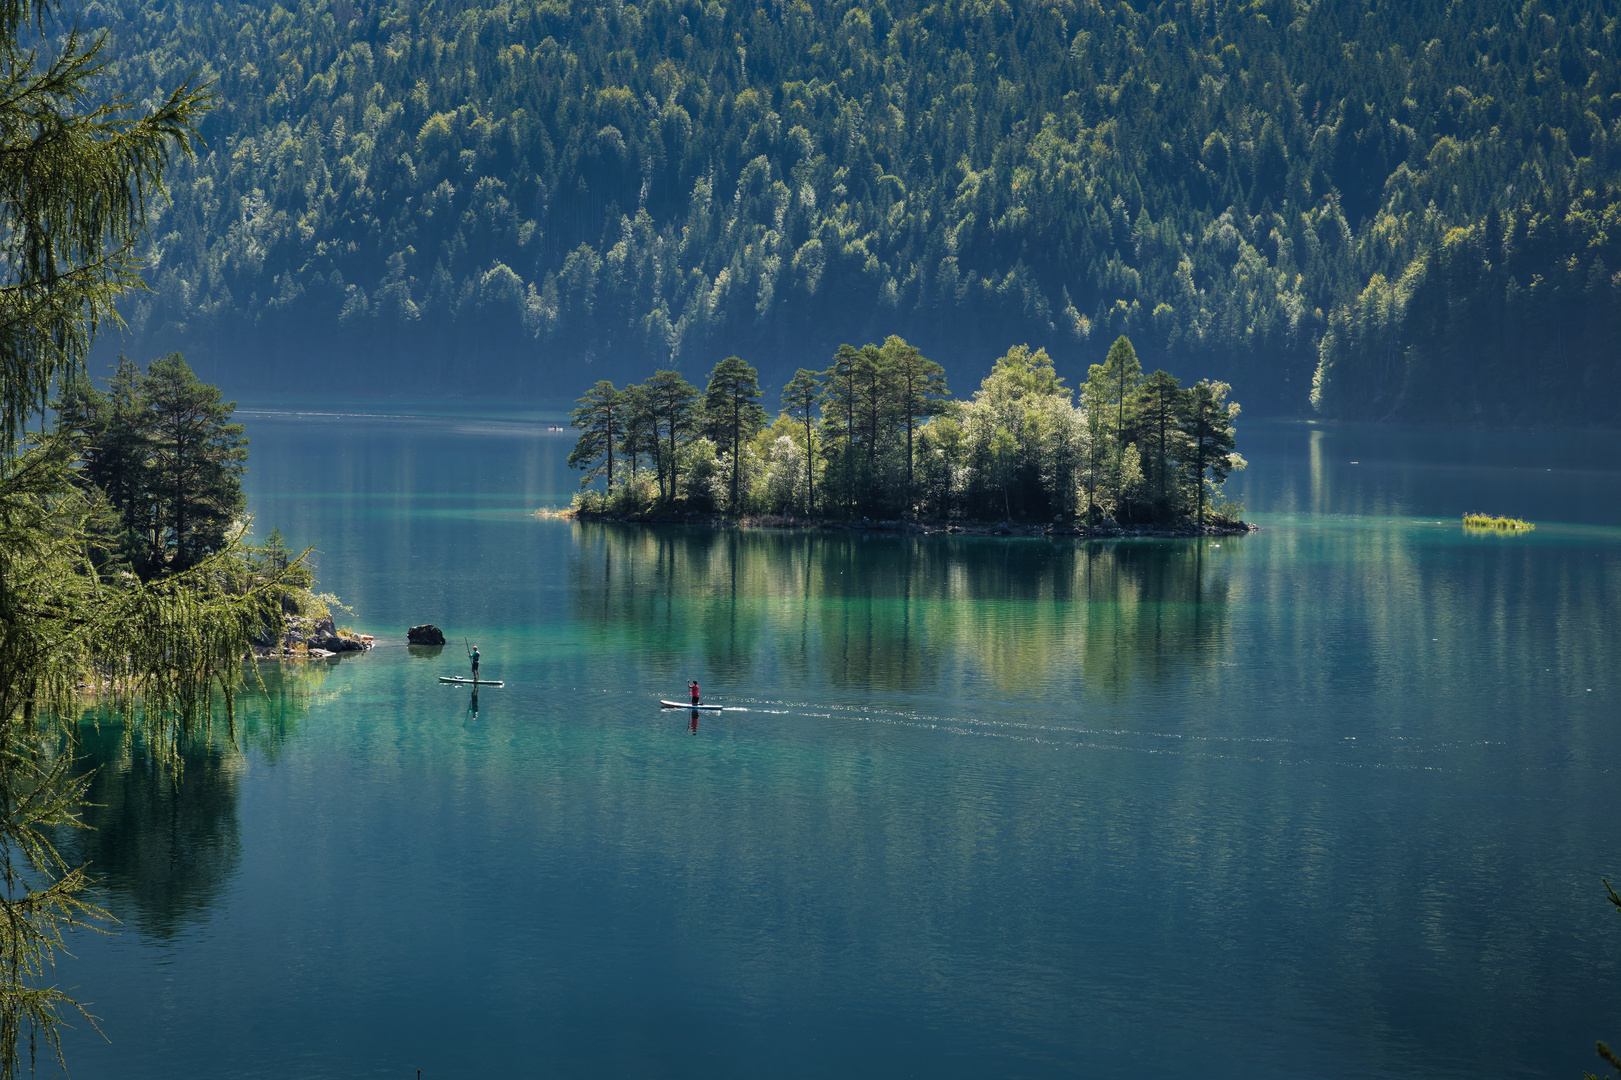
(474, 655)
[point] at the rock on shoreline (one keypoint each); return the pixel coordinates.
(318, 638)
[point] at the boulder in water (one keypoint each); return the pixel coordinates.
(426, 634)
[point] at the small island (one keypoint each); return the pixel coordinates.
(1488, 523)
(876, 442)
(159, 464)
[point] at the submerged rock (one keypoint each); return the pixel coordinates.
(426, 634)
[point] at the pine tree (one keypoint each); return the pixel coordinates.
(839, 402)
(119, 458)
(919, 383)
(874, 404)
(671, 402)
(600, 416)
(198, 458)
(640, 437)
(800, 398)
(1122, 372)
(1159, 404)
(733, 413)
(1207, 422)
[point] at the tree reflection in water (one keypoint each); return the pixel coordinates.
(898, 611)
(164, 841)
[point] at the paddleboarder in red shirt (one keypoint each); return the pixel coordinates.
(693, 687)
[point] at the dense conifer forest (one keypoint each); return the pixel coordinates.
(1400, 209)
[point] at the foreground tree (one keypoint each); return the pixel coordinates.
(733, 413)
(75, 182)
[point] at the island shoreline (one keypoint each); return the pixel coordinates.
(794, 523)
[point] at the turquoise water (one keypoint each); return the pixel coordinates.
(1332, 799)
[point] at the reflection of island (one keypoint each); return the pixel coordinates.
(892, 609)
(163, 841)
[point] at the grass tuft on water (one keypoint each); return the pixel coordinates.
(1500, 524)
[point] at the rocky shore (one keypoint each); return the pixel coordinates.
(1108, 529)
(308, 639)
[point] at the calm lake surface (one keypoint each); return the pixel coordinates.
(1329, 800)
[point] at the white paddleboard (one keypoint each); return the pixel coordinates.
(470, 682)
(686, 705)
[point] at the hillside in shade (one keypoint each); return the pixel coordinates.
(1388, 208)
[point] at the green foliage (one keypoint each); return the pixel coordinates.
(672, 416)
(162, 450)
(198, 458)
(164, 654)
(799, 398)
(76, 179)
(1208, 425)
(450, 185)
(601, 420)
(1511, 318)
(1498, 524)
(732, 416)
(1141, 451)
(1005, 442)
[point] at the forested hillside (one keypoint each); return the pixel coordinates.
(1391, 208)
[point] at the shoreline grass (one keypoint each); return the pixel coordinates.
(1499, 524)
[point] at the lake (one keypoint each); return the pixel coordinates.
(1333, 799)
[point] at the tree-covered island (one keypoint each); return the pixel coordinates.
(877, 438)
(158, 461)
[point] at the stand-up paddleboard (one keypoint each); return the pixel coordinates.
(470, 682)
(688, 705)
